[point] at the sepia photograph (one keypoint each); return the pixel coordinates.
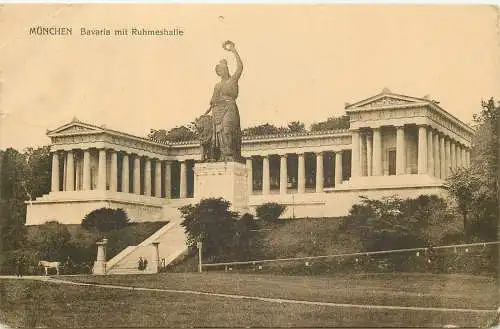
(249, 165)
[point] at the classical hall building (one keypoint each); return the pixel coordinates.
(396, 145)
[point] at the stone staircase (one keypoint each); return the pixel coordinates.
(171, 240)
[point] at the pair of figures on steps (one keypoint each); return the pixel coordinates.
(142, 264)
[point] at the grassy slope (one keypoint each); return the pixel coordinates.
(26, 303)
(308, 237)
(311, 237)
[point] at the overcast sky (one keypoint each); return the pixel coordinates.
(301, 63)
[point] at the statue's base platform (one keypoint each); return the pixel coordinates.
(227, 180)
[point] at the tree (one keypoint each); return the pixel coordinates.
(394, 223)
(223, 234)
(212, 223)
(105, 220)
(12, 228)
(40, 164)
(177, 134)
(270, 212)
(331, 123)
(475, 189)
(14, 177)
(296, 127)
(263, 129)
(52, 240)
(466, 188)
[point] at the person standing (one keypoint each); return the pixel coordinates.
(140, 264)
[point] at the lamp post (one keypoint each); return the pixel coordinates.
(199, 244)
(156, 257)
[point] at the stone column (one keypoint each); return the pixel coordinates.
(442, 157)
(453, 157)
(422, 150)
(147, 177)
(400, 151)
(168, 179)
(136, 186)
(362, 154)
(250, 175)
(101, 175)
(467, 158)
(266, 187)
(158, 178)
(437, 154)
(125, 174)
(369, 153)
(464, 157)
(459, 156)
(338, 168)
(283, 174)
(301, 179)
(430, 152)
(447, 150)
(355, 153)
(113, 177)
(319, 172)
(70, 175)
(86, 170)
(55, 173)
(377, 153)
(183, 181)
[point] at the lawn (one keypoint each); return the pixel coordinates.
(44, 304)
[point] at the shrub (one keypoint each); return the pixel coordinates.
(225, 236)
(52, 241)
(270, 211)
(212, 223)
(105, 220)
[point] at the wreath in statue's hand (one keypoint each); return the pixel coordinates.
(228, 45)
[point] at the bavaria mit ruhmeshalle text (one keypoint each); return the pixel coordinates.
(133, 32)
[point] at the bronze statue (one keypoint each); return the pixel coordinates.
(224, 143)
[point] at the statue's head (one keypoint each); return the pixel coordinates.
(221, 69)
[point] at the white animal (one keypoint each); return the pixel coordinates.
(46, 265)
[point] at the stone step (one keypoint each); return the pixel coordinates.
(171, 240)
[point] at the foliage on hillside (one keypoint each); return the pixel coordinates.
(223, 234)
(105, 219)
(23, 177)
(395, 223)
(476, 189)
(270, 211)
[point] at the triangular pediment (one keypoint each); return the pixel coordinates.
(385, 99)
(73, 128)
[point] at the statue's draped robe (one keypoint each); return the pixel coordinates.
(227, 120)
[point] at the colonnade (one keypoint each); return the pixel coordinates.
(99, 169)
(319, 180)
(438, 154)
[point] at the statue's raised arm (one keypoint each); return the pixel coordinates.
(230, 46)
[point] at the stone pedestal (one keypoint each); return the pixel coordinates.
(227, 180)
(100, 263)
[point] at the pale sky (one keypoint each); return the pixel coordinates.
(302, 62)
